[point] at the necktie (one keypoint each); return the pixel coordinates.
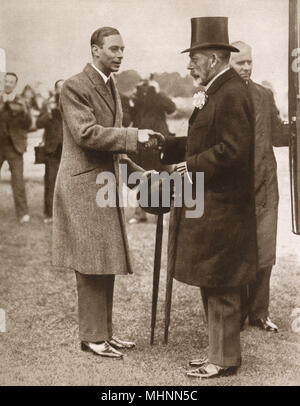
(109, 88)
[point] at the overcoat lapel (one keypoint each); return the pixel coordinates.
(193, 116)
(118, 108)
(213, 88)
(100, 86)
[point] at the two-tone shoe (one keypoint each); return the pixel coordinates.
(265, 324)
(209, 370)
(121, 344)
(198, 362)
(103, 349)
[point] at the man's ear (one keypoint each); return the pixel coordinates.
(95, 50)
(214, 60)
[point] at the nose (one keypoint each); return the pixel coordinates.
(190, 65)
(247, 66)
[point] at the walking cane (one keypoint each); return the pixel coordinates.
(169, 288)
(169, 282)
(156, 272)
(159, 140)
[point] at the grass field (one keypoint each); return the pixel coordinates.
(40, 345)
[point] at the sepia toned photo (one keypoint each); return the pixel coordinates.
(149, 195)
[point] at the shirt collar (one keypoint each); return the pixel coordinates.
(9, 97)
(215, 77)
(104, 77)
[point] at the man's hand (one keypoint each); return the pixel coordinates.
(181, 168)
(158, 139)
(18, 106)
(143, 136)
(151, 140)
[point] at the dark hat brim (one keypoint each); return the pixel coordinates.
(212, 46)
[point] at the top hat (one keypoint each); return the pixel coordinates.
(156, 188)
(210, 33)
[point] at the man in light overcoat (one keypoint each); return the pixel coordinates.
(89, 239)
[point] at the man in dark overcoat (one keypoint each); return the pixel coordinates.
(87, 237)
(217, 251)
(269, 132)
(50, 119)
(15, 121)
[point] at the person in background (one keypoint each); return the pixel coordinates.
(50, 119)
(15, 121)
(127, 113)
(29, 95)
(149, 110)
(30, 98)
(269, 132)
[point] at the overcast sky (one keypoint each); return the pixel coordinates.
(49, 39)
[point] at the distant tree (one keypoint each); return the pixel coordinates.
(173, 84)
(127, 81)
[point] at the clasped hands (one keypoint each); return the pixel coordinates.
(150, 139)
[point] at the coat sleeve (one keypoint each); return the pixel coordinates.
(234, 135)
(77, 112)
(279, 131)
(43, 119)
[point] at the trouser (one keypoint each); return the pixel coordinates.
(51, 169)
(16, 166)
(95, 303)
(255, 296)
(222, 307)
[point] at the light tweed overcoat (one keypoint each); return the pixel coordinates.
(86, 237)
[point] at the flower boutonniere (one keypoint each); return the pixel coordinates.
(199, 99)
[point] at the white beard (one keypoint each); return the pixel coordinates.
(197, 82)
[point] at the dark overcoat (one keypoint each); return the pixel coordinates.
(218, 249)
(14, 125)
(52, 123)
(86, 237)
(269, 132)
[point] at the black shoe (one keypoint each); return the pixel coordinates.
(209, 370)
(264, 324)
(103, 349)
